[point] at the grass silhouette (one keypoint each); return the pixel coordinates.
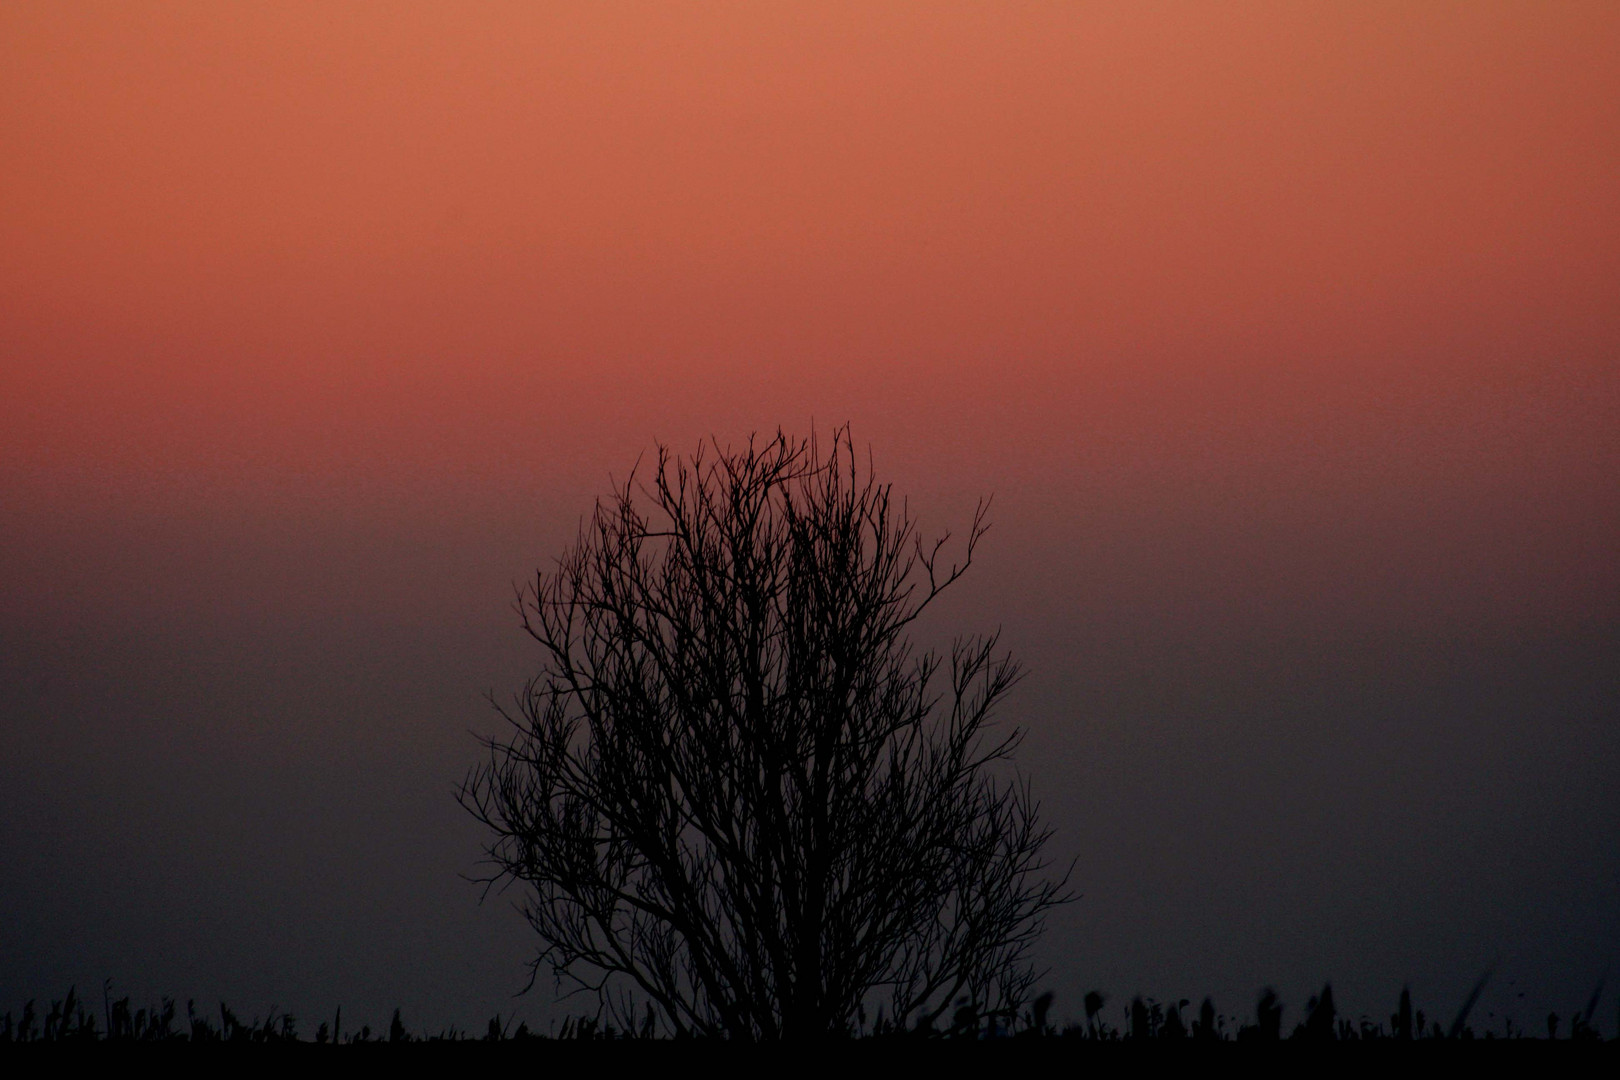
(1144, 1021)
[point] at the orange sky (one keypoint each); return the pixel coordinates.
(1166, 261)
(1285, 334)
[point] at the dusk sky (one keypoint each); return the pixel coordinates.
(1286, 337)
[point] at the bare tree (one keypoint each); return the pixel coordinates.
(736, 792)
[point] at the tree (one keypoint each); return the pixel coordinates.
(736, 792)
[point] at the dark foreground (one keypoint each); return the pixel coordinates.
(1147, 1031)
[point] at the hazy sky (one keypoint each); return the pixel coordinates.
(1285, 335)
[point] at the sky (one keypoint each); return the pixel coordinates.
(1284, 336)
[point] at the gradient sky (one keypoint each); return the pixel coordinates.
(1285, 335)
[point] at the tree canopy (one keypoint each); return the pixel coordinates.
(740, 801)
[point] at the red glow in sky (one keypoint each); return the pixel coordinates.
(1285, 334)
(1322, 261)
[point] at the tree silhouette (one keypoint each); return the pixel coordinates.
(736, 793)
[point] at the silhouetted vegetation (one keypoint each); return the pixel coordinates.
(1142, 1021)
(740, 802)
(744, 809)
